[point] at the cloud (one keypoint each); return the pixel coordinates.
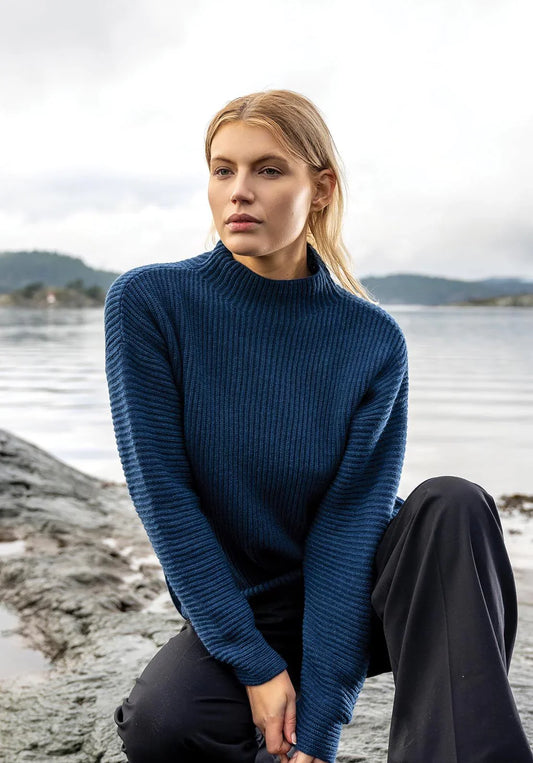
(60, 195)
(116, 239)
(59, 43)
(107, 104)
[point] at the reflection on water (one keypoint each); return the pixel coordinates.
(17, 658)
(471, 391)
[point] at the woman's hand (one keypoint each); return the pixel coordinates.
(273, 707)
(301, 757)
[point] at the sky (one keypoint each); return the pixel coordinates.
(105, 104)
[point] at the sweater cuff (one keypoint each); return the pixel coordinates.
(315, 734)
(263, 667)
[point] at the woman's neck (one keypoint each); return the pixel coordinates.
(247, 288)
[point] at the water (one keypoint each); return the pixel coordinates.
(17, 658)
(471, 403)
(471, 395)
(52, 385)
(471, 391)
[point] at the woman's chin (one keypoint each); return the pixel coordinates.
(242, 244)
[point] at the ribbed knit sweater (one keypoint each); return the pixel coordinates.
(261, 426)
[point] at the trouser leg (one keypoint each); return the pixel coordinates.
(446, 598)
(188, 707)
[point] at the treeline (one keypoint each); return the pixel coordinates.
(38, 294)
(27, 275)
(415, 289)
(31, 290)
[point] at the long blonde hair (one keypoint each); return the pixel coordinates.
(297, 124)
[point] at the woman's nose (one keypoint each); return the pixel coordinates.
(242, 190)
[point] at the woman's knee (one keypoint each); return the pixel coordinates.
(149, 732)
(186, 706)
(453, 498)
(446, 507)
(155, 732)
(152, 720)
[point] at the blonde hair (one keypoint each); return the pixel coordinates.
(299, 127)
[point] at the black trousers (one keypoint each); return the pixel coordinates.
(443, 620)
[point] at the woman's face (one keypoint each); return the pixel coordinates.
(251, 174)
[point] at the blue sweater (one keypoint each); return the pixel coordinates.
(261, 426)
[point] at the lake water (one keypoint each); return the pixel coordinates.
(471, 391)
(471, 403)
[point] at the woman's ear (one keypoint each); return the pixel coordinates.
(325, 183)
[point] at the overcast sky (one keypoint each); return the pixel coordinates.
(104, 106)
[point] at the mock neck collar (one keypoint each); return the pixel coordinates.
(246, 287)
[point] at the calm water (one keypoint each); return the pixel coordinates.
(471, 403)
(471, 391)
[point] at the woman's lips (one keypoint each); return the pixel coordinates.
(242, 225)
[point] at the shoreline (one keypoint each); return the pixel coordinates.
(90, 595)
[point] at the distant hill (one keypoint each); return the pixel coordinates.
(25, 268)
(18, 269)
(412, 289)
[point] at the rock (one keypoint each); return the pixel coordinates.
(91, 596)
(516, 503)
(74, 592)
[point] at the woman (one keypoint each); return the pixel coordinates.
(260, 411)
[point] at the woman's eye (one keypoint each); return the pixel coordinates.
(269, 171)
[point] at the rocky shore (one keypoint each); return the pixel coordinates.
(90, 596)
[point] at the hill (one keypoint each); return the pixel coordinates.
(19, 269)
(32, 269)
(413, 289)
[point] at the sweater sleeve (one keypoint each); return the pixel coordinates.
(143, 369)
(338, 559)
